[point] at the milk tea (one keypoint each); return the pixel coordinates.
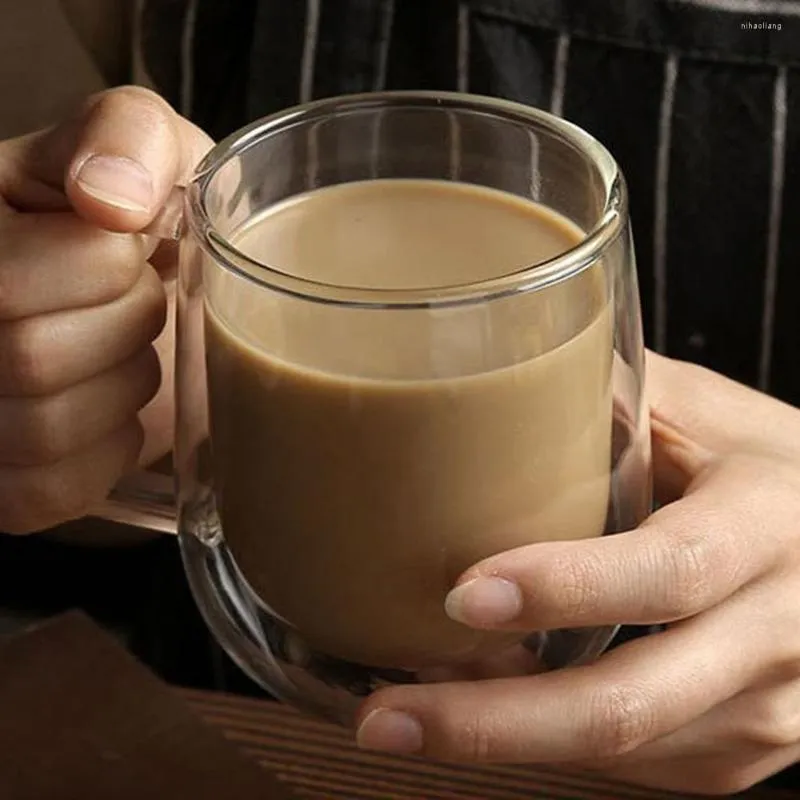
(363, 458)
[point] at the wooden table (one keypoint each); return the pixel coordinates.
(319, 761)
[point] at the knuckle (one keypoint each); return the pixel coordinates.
(693, 555)
(772, 493)
(477, 739)
(24, 355)
(620, 720)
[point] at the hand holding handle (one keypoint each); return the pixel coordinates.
(146, 499)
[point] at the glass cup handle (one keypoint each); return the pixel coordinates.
(168, 224)
(142, 500)
(147, 499)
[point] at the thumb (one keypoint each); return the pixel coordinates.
(117, 160)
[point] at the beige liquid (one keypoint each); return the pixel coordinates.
(363, 459)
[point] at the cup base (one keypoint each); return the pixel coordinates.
(277, 658)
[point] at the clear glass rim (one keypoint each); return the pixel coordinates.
(566, 265)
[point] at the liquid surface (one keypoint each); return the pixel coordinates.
(363, 459)
(405, 234)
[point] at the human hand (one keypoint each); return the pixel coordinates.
(712, 704)
(81, 309)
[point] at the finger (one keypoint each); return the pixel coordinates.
(639, 692)
(44, 355)
(727, 750)
(47, 429)
(35, 498)
(685, 558)
(116, 161)
(57, 262)
(719, 774)
(133, 149)
(158, 417)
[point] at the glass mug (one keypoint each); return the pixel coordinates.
(328, 497)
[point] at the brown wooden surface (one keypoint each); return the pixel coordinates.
(81, 719)
(318, 760)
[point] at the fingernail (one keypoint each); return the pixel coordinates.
(117, 181)
(484, 602)
(391, 732)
